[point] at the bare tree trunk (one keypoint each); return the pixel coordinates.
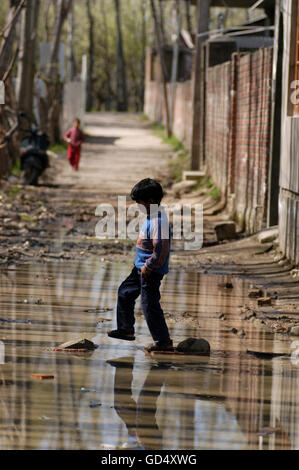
(188, 16)
(162, 21)
(163, 66)
(8, 35)
(175, 61)
(46, 10)
(89, 86)
(122, 103)
(108, 81)
(143, 45)
(55, 87)
(71, 57)
(26, 69)
(63, 7)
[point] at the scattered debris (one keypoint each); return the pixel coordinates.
(94, 404)
(255, 292)
(246, 313)
(264, 301)
(265, 354)
(78, 344)
(294, 331)
(8, 320)
(86, 390)
(294, 273)
(42, 376)
(221, 316)
(234, 330)
(241, 333)
(226, 285)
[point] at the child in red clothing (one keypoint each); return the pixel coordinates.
(74, 137)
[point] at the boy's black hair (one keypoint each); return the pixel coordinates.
(147, 189)
(78, 120)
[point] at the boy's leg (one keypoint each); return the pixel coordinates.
(128, 292)
(150, 299)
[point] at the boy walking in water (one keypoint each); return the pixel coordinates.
(151, 264)
(74, 137)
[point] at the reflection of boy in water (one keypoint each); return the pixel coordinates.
(140, 417)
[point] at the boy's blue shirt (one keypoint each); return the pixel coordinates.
(153, 244)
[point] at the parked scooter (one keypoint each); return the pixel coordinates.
(33, 155)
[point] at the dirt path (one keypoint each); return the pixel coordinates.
(57, 218)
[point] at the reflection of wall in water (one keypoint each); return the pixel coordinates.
(284, 409)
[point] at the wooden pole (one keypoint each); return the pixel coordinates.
(203, 16)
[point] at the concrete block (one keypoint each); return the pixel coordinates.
(225, 231)
(268, 236)
(80, 343)
(192, 175)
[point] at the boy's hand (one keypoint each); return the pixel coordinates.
(145, 271)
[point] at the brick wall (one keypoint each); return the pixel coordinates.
(237, 122)
(217, 123)
(237, 128)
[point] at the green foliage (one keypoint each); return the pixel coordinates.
(215, 193)
(16, 169)
(61, 147)
(181, 160)
(12, 191)
(4, 5)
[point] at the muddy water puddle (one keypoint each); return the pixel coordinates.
(119, 397)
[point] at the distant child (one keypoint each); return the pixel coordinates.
(74, 137)
(151, 264)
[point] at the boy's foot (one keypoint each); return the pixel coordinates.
(160, 346)
(121, 334)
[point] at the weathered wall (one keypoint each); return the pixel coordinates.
(154, 104)
(289, 167)
(237, 128)
(73, 103)
(217, 123)
(252, 134)
(237, 132)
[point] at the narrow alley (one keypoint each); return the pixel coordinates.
(59, 283)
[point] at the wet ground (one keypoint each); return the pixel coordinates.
(57, 283)
(118, 395)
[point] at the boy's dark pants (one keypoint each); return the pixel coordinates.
(149, 288)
